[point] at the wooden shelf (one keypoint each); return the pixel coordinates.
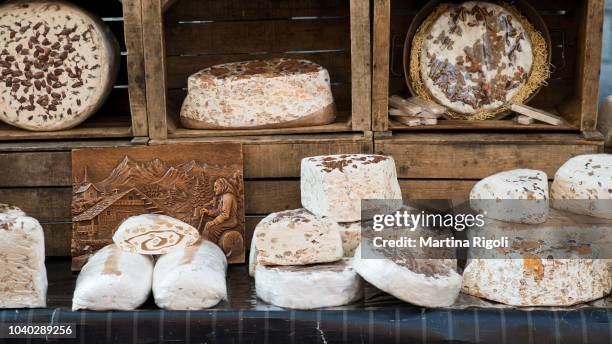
(482, 125)
(342, 124)
(98, 126)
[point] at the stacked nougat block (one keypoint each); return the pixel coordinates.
(302, 258)
(188, 274)
(534, 270)
(307, 258)
(23, 276)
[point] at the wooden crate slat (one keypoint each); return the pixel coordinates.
(155, 67)
(435, 189)
(35, 169)
(44, 204)
(361, 74)
(481, 125)
(264, 156)
(475, 156)
(380, 67)
(258, 36)
(591, 31)
(252, 10)
(132, 12)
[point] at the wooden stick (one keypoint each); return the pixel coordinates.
(429, 121)
(427, 105)
(525, 120)
(411, 108)
(409, 121)
(536, 114)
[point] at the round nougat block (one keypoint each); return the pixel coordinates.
(334, 185)
(297, 237)
(58, 64)
(475, 57)
(113, 279)
(273, 93)
(10, 210)
(154, 234)
(515, 196)
(307, 287)
(546, 264)
(423, 282)
(23, 276)
(192, 278)
(583, 185)
(532, 281)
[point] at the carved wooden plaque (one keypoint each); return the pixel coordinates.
(201, 184)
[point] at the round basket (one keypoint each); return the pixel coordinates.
(529, 18)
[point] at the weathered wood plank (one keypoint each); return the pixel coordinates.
(132, 19)
(44, 204)
(155, 67)
(589, 59)
(283, 160)
(361, 67)
(252, 10)
(265, 157)
(272, 36)
(35, 169)
(380, 68)
(436, 189)
(473, 156)
(57, 239)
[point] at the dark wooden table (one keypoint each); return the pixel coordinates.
(379, 318)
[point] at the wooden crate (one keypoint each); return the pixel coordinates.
(124, 113)
(185, 36)
(36, 176)
(447, 165)
(576, 32)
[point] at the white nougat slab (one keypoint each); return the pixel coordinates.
(192, 278)
(307, 287)
(519, 195)
(113, 279)
(583, 185)
(23, 276)
(334, 185)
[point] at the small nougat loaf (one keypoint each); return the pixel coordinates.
(307, 287)
(334, 185)
(514, 196)
(57, 65)
(191, 278)
(23, 276)
(154, 234)
(297, 237)
(273, 93)
(583, 185)
(113, 279)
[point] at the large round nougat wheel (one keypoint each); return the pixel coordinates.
(476, 57)
(58, 64)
